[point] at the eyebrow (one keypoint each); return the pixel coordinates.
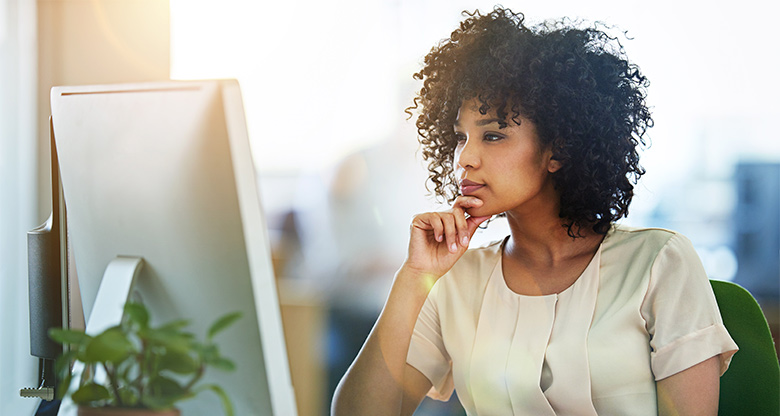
(484, 122)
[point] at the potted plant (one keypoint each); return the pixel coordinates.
(141, 367)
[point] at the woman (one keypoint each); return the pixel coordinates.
(571, 314)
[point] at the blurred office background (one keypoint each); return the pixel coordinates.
(325, 87)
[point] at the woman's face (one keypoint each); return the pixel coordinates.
(504, 167)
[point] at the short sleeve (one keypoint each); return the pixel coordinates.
(681, 313)
(427, 352)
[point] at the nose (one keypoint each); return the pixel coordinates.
(467, 155)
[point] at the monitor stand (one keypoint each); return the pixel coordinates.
(114, 291)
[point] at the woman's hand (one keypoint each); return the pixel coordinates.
(438, 239)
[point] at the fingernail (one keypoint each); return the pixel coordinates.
(454, 247)
(465, 240)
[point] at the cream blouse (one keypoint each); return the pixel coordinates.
(642, 310)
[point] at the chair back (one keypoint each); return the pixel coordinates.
(751, 386)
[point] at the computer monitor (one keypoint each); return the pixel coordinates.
(163, 172)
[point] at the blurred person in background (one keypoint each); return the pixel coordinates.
(571, 313)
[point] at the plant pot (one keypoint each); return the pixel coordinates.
(118, 411)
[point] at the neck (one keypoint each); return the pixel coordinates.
(538, 236)
(544, 240)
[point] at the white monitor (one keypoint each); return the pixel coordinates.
(163, 172)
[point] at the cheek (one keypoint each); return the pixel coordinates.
(510, 169)
(523, 165)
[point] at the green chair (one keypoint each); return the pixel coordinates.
(751, 386)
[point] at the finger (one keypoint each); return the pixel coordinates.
(474, 222)
(450, 231)
(438, 227)
(459, 215)
(465, 201)
(461, 204)
(429, 223)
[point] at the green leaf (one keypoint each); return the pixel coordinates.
(64, 386)
(137, 313)
(81, 354)
(156, 403)
(90, 392)
(175, 325)
(172, 340)
(221, 363)
(140, 358)
(162, 392)
(111, 346)
(164, 386)
(208, 353)
(128, 396)
(62, 369)
(69, 336)
(222, 323)
(62, 363)
(223, 397)
(177, 362)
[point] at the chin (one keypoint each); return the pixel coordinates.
(481, 212)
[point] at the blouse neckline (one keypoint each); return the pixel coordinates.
(499, 270)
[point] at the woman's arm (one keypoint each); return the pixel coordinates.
(379, 382)
(691, 392)
(375, 380)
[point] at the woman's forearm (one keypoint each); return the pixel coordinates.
(374, 383)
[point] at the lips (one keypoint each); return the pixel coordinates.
(468, 187)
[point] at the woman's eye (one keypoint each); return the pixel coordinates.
(490, 137)
(460, 137)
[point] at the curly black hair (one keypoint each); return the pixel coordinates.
(575, 84)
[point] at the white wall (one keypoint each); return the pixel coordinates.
(96, 42)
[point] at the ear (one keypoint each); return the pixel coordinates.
(553, 165)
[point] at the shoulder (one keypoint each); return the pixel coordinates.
(636, 254)
(645, 242)
(656, 237)
(659, 255)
